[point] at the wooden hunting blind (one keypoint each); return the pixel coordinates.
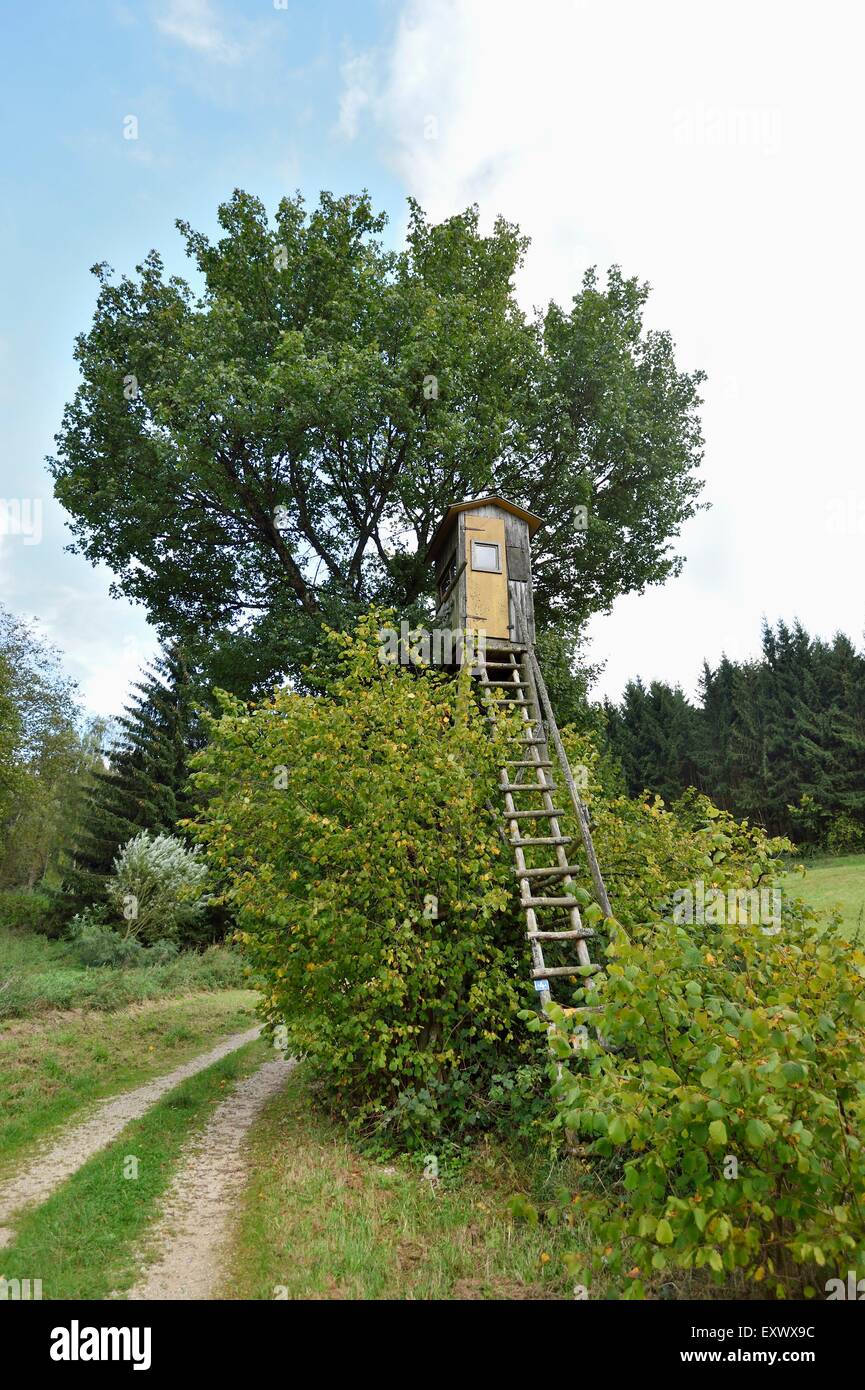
(483, 574)
(483, 568)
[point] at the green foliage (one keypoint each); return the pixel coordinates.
(845, 835)
(568, 676)
(96, 943)
(37, 975)
(10, 736)
(33, 911)
(654, 735)
(373, 893)
(724, 1108)
(648, 850)
(44, 744)
(242, 457)
(780, 740)
(143, 788)
(158, 888)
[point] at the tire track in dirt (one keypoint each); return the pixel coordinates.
(48, 1167)
(192, 1231)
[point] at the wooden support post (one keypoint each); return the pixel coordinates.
(577, 801)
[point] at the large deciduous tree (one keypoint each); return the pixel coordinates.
(276, 445)
(44, 743)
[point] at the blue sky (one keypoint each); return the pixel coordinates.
(711, 150)
(239, 95)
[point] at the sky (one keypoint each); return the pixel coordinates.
(712, 150)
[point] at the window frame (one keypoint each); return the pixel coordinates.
(485, 569)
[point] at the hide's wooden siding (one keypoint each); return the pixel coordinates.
(487, 591)
(520, 596)
(510, 614)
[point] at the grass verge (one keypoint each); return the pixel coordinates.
(85, 1242)
(50, 1068)
(37, 975)
(319, 1220)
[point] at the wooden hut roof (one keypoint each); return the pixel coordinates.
(443, 529)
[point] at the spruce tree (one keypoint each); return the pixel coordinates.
(768, 732)
(144, 785)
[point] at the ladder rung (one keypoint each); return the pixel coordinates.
(509, 704)
(527, 787)
(550, 902)
(523, 815)
(511, 685)
(526, 762)
(541, 840)
(549, 971)
(528, 741)
(578, 934)
(559, 871)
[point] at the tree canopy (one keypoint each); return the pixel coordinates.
(274, 447)
(44, 744)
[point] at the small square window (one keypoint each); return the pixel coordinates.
(485, 556)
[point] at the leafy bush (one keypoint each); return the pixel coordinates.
(729, 1098)
(96, 943)
(157, 887)
(161, 952)
(648, 850)
(845, 836)
(36, 975)
(373, 891)
(827, 831)
(29, 910)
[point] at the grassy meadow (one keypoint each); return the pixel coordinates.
(833, 885)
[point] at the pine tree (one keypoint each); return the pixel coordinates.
(769, 732)
(144, 786)
(654, 736)
(712, 748)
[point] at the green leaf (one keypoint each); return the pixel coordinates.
(617, 1130)
(794, 1071)
(664, 1233)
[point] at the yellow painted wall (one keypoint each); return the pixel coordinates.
(486, 594)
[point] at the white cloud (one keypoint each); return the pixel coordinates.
(712, 152)
(357, 78)
(108, 672)
(193, 24)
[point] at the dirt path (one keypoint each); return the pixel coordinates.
(197, 1217)
(49, 1167)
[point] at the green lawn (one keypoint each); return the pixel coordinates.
(833, 883)
(321, 1220)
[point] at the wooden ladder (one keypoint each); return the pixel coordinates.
(516, 674)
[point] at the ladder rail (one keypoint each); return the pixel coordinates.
(576, 800)
(520, 688)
